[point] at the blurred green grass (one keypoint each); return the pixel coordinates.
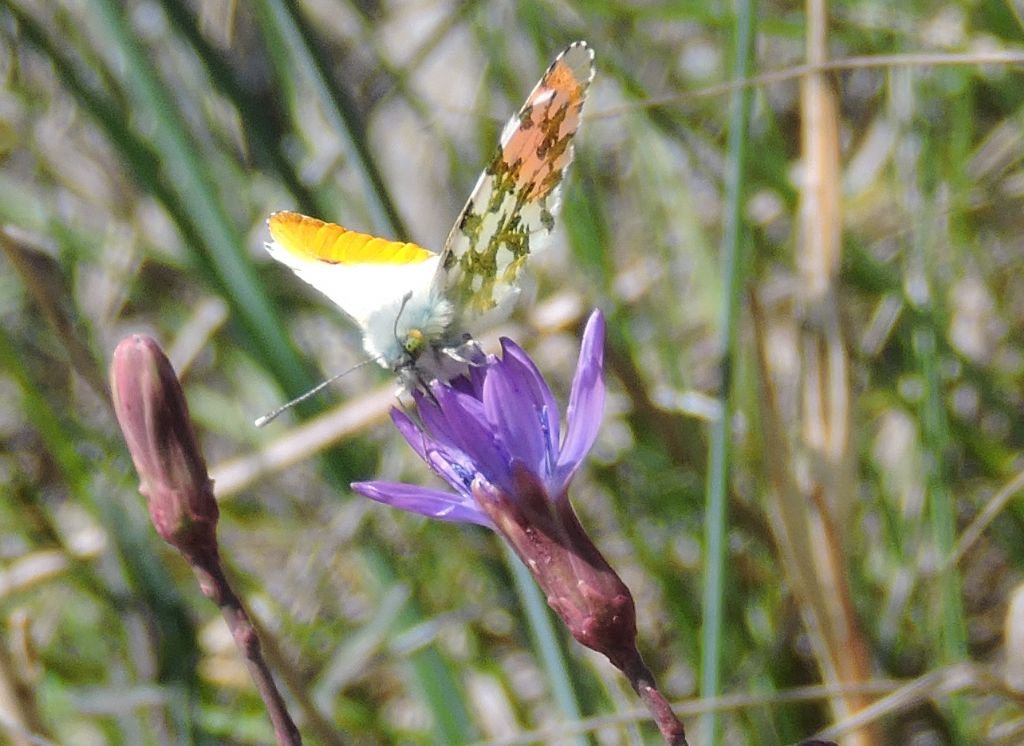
(144, 144)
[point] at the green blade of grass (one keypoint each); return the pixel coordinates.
(192, 180)
(545, 640)
(293, 53)
(951, 625)
(141, 159)
(719, 448)
(431, 674)
(266, 143)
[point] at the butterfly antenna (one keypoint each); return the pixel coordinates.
(271, 416)
(398, 316)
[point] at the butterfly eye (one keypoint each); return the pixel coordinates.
(414, 341)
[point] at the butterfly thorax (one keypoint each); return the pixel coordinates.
(400, 333)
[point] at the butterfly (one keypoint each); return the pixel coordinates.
(414, 306)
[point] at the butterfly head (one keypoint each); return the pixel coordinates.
(414, 343)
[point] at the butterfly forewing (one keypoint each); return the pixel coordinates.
(359, 272)
(512, 209)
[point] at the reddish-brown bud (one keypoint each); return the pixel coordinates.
(151, 410)
(581, 587)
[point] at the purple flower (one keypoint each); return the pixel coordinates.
(495, 438)
(485, 432)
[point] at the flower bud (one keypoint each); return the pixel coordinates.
(581, 587)
(151, 410)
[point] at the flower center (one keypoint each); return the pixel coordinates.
(545, 428)
(463, 474)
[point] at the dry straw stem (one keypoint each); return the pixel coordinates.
(810, 493)
(822, 466)
(19, 716)
(789, 514)
(302, 442)
(33, 570)
(736, 703)
(50, 292)
(799, 72)
(935, 685)
(993, 508)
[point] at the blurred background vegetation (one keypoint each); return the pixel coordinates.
(848, 239)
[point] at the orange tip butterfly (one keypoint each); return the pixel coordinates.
(414, 306)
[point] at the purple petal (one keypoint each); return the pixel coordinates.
(511, 410)
(435, 423)
(429, 502)
(586, 402)
(450, 463)
(477, 375)
(463, 384)
(472, 435)
(547, 407)
(413, 435)
(454, 467)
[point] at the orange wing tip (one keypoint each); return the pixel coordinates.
(308, 238)
(578, 57)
